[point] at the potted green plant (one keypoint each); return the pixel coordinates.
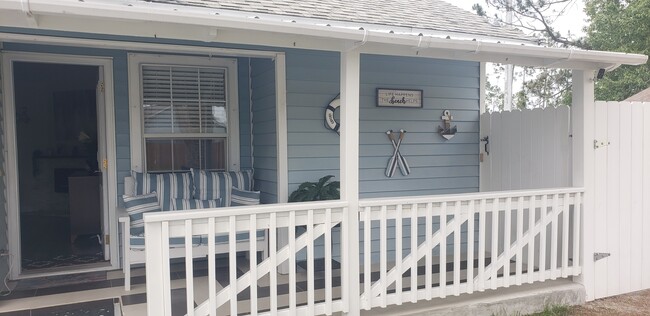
(323, 189)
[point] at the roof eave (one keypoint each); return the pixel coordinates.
(427, 45)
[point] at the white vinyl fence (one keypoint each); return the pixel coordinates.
(622, 197)
(527, 149)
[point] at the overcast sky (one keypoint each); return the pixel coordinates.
(572, 20)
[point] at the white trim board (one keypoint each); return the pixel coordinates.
(110, 183)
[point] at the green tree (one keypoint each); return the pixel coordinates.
(621, 26)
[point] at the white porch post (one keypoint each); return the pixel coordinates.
(582, 121)
(349, 165)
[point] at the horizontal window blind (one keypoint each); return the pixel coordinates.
(184, 100)
(184, 117)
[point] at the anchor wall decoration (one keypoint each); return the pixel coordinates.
(447, 131)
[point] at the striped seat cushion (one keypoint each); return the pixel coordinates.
(168, 186)
(210, 185)
(136, 206)
(242, 197)
(191, 204)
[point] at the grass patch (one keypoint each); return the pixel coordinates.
(553, 311)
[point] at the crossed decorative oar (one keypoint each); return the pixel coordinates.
(397, 158)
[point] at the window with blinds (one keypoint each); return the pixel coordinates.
(184, 114)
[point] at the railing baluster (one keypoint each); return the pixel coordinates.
(428, 268)
(443, 250)
(273, 273)
(310, 263)
(367, 264)
(398, 252)
(507, 242)
(167, 296)
(577, 213)
(470, 248)
(253, 263)
(531, 238)
(481, 245)
(328, 261)
(565, 235)
(155, 275)
(554, 229)
(542, 239)
(495, 243)
(383, 253)
(520, 233)
(457, 231)
(292, 262)
(189, 268)
(232, 263)
(212, 269)
(414, 260)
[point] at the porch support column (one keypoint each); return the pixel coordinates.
(582, 122)
(349, 166)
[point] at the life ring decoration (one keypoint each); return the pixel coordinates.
(330, 121)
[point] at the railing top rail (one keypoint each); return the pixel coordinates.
(241, 211)
(466, 196)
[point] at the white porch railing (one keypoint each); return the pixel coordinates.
(467, 242)
(412, 248)
(317, 219)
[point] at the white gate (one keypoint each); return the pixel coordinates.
(527, 149)
(622, 197)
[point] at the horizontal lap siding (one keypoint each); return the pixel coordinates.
(312, 82)
(264, 128)
(438, 166)
(452, 85)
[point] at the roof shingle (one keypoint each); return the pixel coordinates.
(433, 15)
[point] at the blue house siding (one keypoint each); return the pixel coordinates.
(438, 166)
(312, 82)
(264, 128)
(244, 86)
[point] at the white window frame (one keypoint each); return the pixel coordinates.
(135, 102)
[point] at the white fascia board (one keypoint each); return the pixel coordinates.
(229, 29)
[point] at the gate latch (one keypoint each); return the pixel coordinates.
(600, 143)
(601, 255)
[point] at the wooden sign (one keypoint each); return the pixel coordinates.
(399, 98)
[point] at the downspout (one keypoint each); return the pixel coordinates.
(29, 15)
